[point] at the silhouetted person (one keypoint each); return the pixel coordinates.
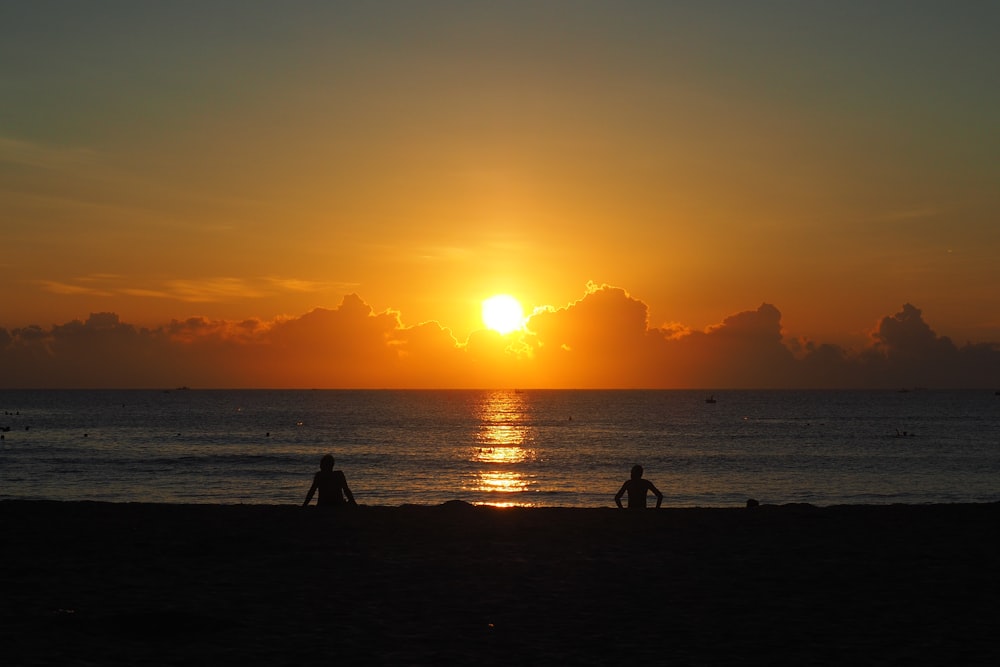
(332, 485)
(636, 487)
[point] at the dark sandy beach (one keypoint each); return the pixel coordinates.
(90, 583)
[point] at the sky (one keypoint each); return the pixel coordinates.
(322, 194)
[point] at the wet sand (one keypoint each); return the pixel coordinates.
(94, 583)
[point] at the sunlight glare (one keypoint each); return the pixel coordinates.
(503, 450)
(503, 313)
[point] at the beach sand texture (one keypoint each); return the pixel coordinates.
(94, 583)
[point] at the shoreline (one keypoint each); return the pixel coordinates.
(130, 583)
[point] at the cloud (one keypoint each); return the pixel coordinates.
(59, 287)
(205, 290)
(908, 352)
(284, 284)
(601, 340)
(906, 334)
(744, 350)
(30, 154)
(213, 290)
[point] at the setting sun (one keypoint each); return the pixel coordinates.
(503, 313)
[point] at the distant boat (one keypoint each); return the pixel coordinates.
(710, 399)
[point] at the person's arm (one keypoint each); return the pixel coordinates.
(312, 490)
(618, 496)
(342, 482)
(659, 496)
(347, 490)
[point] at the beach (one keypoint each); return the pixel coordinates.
(158, 584)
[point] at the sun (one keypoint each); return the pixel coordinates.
(503, 313)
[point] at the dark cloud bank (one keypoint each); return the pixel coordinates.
(601, 341)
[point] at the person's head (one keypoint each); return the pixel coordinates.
(636, 471)
(326, 463)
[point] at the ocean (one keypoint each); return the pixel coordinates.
(508, 448)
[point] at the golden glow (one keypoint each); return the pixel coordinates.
(503, 313)
(502, 482)
(501, 455)
(502, 449)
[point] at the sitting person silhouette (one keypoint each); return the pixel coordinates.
(637, 488)
(332, 485)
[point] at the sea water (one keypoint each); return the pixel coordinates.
(524, 448)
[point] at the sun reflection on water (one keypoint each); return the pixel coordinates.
(500, 455)
(502, 445)
(502, 482)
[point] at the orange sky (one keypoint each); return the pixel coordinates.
(234, 162)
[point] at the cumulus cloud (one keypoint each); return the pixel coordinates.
(906, 334)
(602, 340)
(908, 352)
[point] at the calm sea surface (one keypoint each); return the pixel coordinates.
(533, 448)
